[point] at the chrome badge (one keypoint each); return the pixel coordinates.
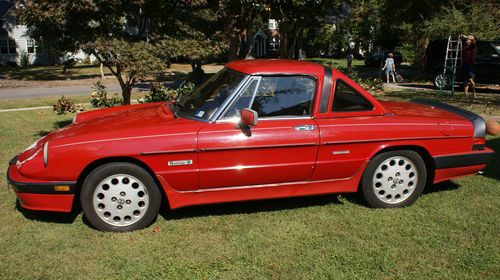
(180, 162)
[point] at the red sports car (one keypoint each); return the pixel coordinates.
(258, 129)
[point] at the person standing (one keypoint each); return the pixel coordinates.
(390, 67)
(468, 61)
(349, 57)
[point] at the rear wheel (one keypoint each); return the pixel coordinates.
(120, 197)
(394, 179)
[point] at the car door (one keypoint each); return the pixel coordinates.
(282, 146)
(487, 63)
(352, 117)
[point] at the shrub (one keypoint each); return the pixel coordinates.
(100, 99)
(159, 93)
(24, 58)
(64, 105)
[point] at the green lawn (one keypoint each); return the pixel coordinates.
(452, 231)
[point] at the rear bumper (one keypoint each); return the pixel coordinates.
(462, 160)
(41, 195)
(452, 166)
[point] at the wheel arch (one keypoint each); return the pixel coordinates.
(99, 162)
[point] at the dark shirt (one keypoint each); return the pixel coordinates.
(469, 55)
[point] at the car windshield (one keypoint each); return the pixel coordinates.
(204, 101)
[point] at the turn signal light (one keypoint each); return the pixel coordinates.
(61, 188)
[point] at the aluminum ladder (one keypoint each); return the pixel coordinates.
(452, 60)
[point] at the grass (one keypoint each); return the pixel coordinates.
(49, 101)
(452, 231)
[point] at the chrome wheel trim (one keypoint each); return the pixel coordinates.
(395, 179)
(120, 200)
(441, 81)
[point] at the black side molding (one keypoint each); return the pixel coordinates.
(463, 160)
(477, 122)
(327, 88)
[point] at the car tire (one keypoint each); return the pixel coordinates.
(442, 81)
(394, 179)
(120, 197)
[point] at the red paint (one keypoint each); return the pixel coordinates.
(272, 159)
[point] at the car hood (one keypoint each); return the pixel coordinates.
(125, 122)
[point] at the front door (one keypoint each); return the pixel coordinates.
(281, 148)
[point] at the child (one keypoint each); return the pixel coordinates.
(390, 67)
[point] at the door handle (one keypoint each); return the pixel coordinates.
(307, 127)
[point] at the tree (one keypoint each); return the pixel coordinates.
(126, 36)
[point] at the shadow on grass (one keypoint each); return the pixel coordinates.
(248, 207)
(440, 187)
(47, 217)
(493, 168)
(56, 125)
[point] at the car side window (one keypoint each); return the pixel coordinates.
(484, 51)
(347, 99)
(284, 96)
(276, 96)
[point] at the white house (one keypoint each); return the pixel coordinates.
(15, 42)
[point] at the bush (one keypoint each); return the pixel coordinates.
(159, 93)
(64, 105)
(100, 99)
(24, 58)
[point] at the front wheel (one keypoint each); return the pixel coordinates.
(394, 179)
(120, 197)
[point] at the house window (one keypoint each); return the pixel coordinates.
(34, 46)
(272, 24)
(7, 46)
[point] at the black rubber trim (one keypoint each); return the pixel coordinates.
(13, 160)
(462, 160)
(477, 122)
(40, 188)
(327, 88)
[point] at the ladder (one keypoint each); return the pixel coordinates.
(452, 60)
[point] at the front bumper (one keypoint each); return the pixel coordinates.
(39, 194)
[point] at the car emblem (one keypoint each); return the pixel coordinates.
(180, 162)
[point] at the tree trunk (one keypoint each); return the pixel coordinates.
(126, 92)
(103, 77)
(234, 45)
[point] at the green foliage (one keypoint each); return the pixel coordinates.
(100, 97)
(64, 106)
(479, 19)
(24, 58)
(159, 93)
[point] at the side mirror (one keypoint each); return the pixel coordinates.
(248, 117)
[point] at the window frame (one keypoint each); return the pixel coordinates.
(221, 117)
(9, 44)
